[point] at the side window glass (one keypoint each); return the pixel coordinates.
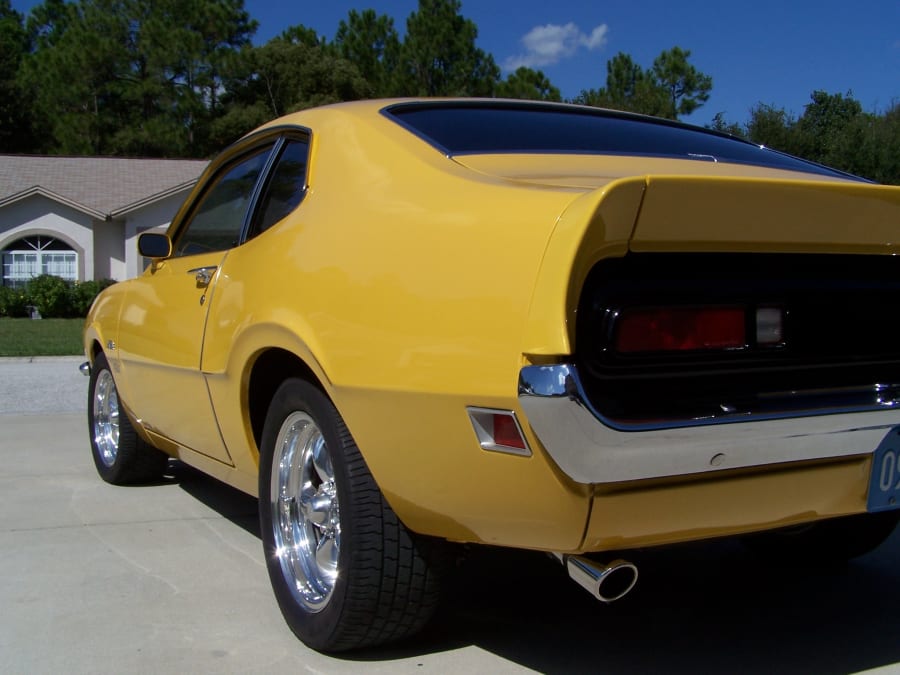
(216, 223)
(286, 186)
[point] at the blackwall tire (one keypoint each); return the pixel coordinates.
(120, 455)
(345, 571)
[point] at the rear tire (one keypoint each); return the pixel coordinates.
(120, 455)
(345, 571)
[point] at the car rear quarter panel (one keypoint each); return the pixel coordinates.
(404, 281)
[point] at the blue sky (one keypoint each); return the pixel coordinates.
(774, 52)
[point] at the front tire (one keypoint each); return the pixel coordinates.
(345, 571)
(120, 455)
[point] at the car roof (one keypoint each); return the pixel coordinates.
(457, 127)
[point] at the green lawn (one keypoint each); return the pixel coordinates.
(44, 337)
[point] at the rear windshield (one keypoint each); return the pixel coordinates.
(501, 128)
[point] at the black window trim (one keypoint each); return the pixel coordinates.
(234, 154)
(223, 164)
(286, 135)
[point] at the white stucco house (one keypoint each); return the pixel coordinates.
(79, 217)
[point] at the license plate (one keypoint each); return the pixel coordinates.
(884, 483)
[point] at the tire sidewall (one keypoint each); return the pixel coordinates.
(317, 630)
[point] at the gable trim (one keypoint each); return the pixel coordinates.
(38, 191)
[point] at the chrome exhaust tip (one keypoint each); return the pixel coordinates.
(606, 583)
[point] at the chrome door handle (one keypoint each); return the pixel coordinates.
(203, 275)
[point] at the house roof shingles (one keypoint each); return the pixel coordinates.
(104, 185)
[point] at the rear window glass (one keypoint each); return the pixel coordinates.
(498, 128)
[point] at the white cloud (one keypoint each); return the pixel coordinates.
(546, 45)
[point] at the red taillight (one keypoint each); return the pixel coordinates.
(671, 329)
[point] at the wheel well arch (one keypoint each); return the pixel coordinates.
(270, 369)
(96, 348)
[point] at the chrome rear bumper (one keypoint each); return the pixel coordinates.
(589, 449)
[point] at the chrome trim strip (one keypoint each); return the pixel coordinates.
(592, 449)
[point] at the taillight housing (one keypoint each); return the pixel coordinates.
(638, 330)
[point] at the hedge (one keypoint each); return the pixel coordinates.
(54, 297)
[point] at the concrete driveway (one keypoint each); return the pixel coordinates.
(169, 578)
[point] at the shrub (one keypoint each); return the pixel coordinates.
(82, 294)
(50, 295)
(13, 302)
(54, 297)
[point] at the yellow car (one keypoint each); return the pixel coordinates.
(413, 323)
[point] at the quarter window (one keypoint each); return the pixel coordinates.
(286, 187)
(217, 221)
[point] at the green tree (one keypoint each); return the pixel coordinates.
(74, 73)
(177, 54)
(835, 131)
(371, 43)
(14, 125)
(439, 56)
(131, 76)
(884, 144)
(773, 127)
(629, 87)
(825, 120)
(48, 22)
(719, 123)
(295, 70)
(687, 88)
(672, 87)
(526, 83)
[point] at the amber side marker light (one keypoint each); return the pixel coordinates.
(674, 329)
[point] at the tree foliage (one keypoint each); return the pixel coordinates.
(180, 78)
(835, 131)
(685, 86)
(439, 57)
(295, 70)
(14, 126)
(136, 77)
(630, 87)
(371, 43)
(671, 87)
(719, 123)
(526, 83)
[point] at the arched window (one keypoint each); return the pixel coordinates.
(40, 254)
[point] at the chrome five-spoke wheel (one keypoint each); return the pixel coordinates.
(345, 571)
(304, 502)
(106, 418)
(120, 455)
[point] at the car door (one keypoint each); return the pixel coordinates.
(162, 325)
